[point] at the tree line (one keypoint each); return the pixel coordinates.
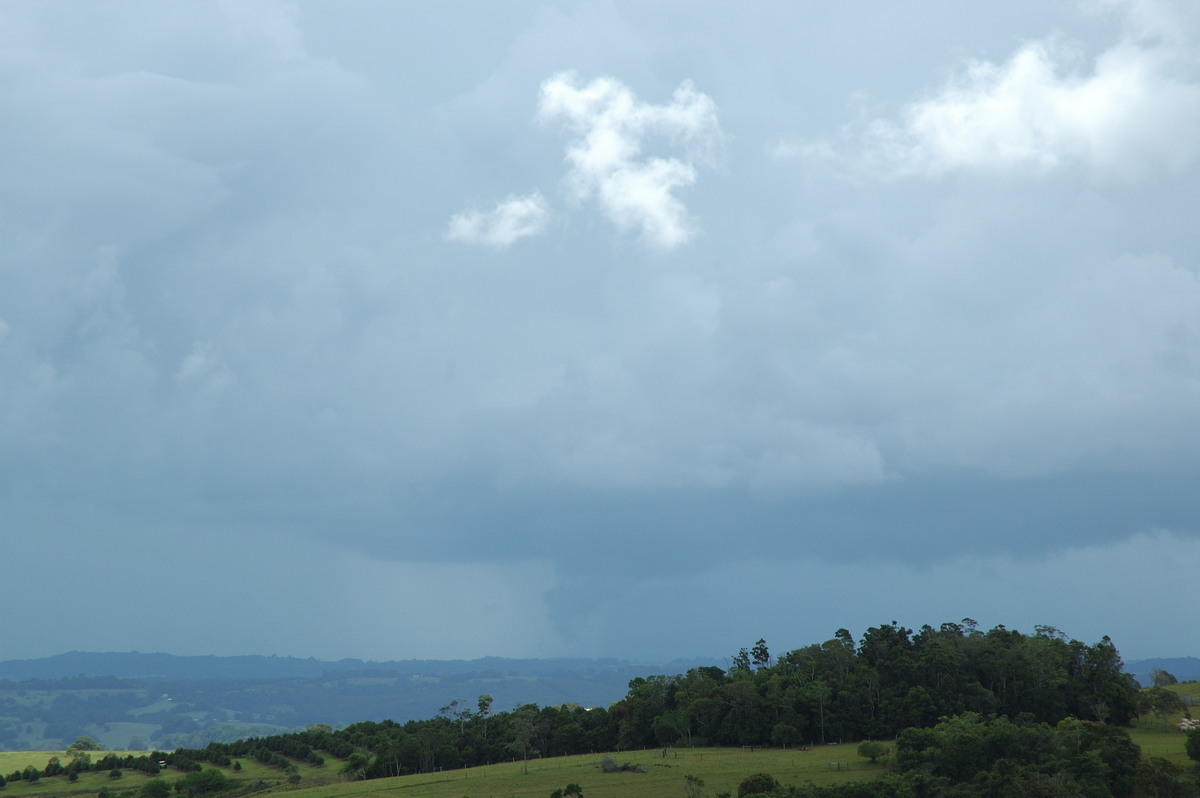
(892, 679)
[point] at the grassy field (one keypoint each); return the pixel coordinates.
(720, 768)
(1187, 690)
(1167, 744)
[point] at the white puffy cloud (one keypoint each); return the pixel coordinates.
(1135, 107)
(514, 218)
(606, 158)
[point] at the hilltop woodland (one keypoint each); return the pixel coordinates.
(989, 711)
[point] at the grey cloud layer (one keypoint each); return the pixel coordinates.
(235, 304)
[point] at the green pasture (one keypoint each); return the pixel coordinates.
(720, 768)
(1168, 744)
(1161, 737)
(1187, 690)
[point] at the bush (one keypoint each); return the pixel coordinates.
(758, 784)
(609, 765)
(201, 782)
(156, 788)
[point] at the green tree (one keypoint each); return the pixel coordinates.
(202, 782)
(80, 759)
(84, 743)
(155, 788)
(1161, 778)
(485, 711)
(761, 656)
(523, 729)
(1160, 678)
(871, 749)
(356, 766)
(1163, 703)
(784, 735)
(693, 786)
(1192, 746)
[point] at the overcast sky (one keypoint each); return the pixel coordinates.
(443, 330)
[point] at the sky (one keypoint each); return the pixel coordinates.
(602, 329)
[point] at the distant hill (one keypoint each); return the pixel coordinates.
(1182, 668)
(168, 667)
(167, 701)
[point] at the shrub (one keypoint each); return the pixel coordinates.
(758, 784)
(156, 788)
(201, 782)
(609, 765)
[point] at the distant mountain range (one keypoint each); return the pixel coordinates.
(157, 667)
(1182, 668)
(169, 667)
(166, 701)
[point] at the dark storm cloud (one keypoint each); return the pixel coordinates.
(810, 291)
